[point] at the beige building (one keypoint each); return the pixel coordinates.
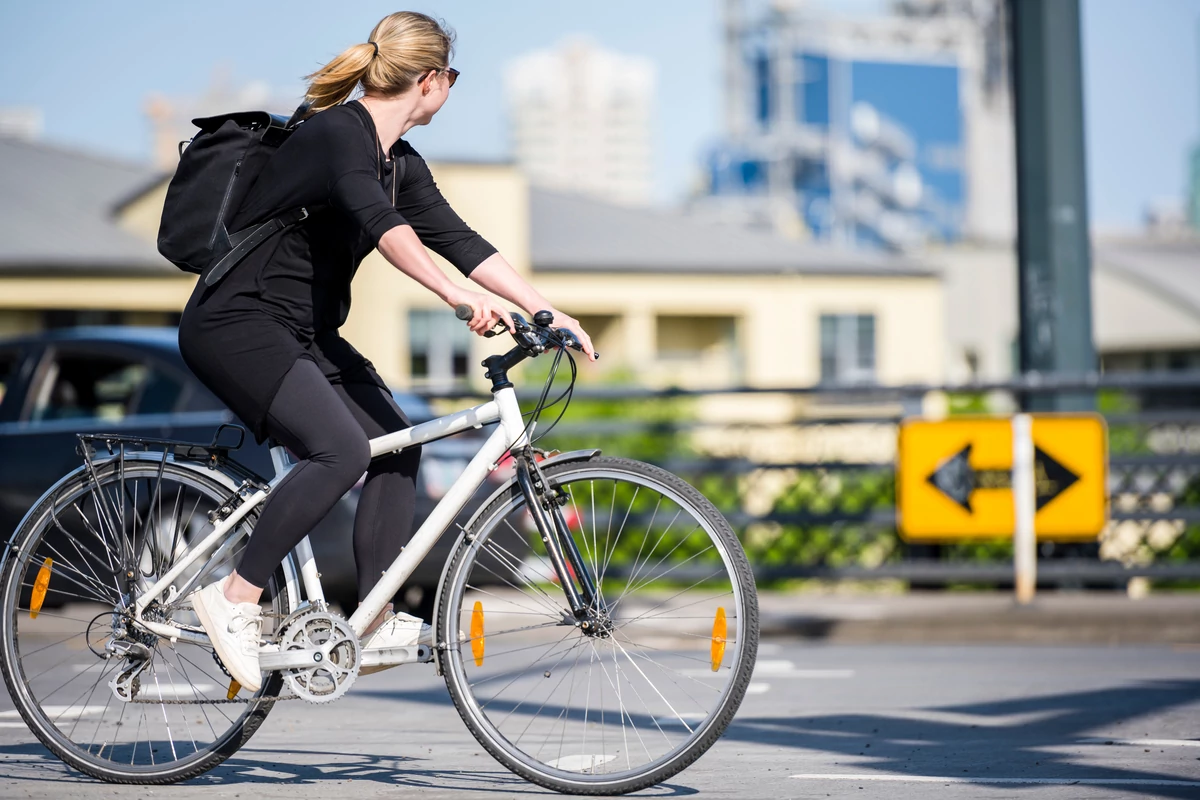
(1145, 306)
(668, 299)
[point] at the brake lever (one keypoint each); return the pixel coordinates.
(569, 338)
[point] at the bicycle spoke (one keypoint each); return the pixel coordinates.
(528, 609)
(516, 569)
(647, 615)
(633, 702)
(642, 545)
(60, 561)
(125, 513)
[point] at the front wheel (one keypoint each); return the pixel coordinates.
(649, 679)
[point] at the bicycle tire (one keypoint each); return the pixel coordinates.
(564, 774)
(30, 542)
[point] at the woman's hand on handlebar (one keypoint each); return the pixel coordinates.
(486, 311)
(562, 320)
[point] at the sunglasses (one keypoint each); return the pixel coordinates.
(451, 73)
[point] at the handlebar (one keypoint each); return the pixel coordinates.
(535, 337)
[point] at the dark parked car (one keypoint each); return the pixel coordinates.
(133, 381)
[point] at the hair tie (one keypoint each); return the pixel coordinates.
(376, 46)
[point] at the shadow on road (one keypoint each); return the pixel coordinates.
(1009, 738)
(1001, 739)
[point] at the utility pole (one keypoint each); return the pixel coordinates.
(1053, 250)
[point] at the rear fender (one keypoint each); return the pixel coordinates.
(226, 480)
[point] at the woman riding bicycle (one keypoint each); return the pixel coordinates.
(265, 339)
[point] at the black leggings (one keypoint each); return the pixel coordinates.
(327, 426)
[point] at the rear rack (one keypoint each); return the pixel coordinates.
(213, 455)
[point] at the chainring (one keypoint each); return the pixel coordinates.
(333, 676)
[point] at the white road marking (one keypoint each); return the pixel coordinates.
(59, 711)
(956, 779)
(1145, 742)
(55, 713)
(690, 719)
(959, 718)
(757, 688)
(580, 763)
(780, 668)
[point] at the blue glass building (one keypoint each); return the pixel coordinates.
(862, 137)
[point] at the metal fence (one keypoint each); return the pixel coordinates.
(833, 516)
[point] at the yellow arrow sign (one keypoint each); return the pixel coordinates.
(954, 478)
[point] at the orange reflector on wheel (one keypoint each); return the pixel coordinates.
(234, 688)
(718, 638)
(477, 633)
(40, 584)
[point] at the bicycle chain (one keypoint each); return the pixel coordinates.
(165, 702)
(219, 702)
(222, 702)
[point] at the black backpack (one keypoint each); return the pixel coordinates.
(216, 170)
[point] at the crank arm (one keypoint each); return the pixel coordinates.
(270, 660)
(396, 655)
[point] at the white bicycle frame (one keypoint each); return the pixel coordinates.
(510, 433)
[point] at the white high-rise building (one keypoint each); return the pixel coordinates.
(579, 118)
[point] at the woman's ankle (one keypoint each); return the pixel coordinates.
(240, 590)
(375, 623)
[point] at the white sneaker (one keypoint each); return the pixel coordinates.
(397, 630)
(234, 630)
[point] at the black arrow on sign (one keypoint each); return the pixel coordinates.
(958, 480)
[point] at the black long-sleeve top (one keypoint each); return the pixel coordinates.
(289, 296)
(333, 163)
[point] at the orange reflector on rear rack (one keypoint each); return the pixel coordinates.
(234, 688)
(40, 584)
(477, 633)
(718, 638)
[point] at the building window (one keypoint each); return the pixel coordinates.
(847, 348)
(695, 337)
(697, 350)
(439, 348)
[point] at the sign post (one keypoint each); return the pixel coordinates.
(1024, 490)
(1030, 477)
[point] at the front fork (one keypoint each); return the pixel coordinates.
(545, 506)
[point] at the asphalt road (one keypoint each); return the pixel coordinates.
(863, 721)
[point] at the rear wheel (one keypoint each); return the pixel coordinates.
(649, 679)
(106, 697)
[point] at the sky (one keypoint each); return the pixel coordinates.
(90, 65)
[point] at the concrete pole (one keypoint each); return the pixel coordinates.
(1053, 252)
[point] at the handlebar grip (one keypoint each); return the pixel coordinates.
(463, 312)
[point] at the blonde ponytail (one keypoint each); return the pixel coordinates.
(401, 48)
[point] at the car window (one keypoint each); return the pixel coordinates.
(8, 371)
(102, 386)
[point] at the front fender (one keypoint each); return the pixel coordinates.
(561, 458)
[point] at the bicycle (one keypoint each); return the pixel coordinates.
(596, 623)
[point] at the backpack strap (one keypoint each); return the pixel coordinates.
(245, 241)
(299, 115)
(398, 167)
